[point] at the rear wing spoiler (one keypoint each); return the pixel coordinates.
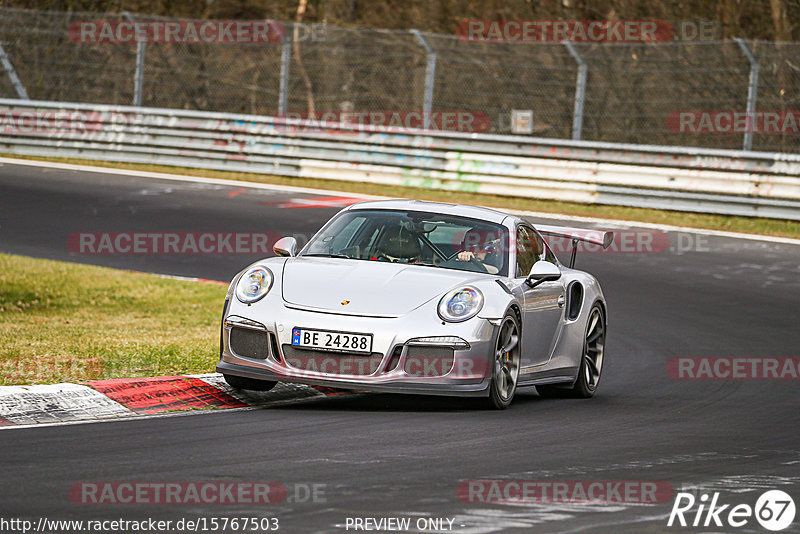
(600, 238)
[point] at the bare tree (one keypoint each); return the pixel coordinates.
(298, 19)
(780, 20)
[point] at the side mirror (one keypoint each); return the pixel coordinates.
(285, 246)
(543, 271)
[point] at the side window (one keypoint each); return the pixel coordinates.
(545, 252)
(529, 248)
(548, 255)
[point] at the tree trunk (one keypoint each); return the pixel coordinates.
(301, 10)
(780, 20)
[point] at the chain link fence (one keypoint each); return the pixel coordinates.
(632, 93)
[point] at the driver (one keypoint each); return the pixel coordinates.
(479, 245)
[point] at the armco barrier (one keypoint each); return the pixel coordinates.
(684, 179)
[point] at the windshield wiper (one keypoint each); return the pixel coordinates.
(327, 255)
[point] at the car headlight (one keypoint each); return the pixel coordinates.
(460, 304)
(254, 284)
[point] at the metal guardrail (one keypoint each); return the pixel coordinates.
(685, 179)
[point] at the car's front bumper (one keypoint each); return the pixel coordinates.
(394, 366)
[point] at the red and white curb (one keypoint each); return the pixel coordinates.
(104, 400)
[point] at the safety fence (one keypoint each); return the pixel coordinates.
(685, 91)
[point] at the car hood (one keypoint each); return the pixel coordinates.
(367, 287)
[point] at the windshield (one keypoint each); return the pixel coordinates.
(414, 237)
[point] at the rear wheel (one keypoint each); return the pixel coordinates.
(591, 361)
(239, 382)
(505, 364)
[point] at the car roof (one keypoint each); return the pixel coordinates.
(473, 212)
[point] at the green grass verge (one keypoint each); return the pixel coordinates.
(748, 225)
(65, 322)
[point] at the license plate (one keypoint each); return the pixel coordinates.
(335, 341)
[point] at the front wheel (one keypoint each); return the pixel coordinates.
(505, 364)
(591, 361)
(240, 382)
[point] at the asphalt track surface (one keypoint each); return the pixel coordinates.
(388, 455)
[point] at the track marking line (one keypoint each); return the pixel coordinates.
(179, 177)
(327, 192)
(180, 278)
(618, 223)
(315, 202)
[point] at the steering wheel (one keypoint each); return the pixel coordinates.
(475, 261)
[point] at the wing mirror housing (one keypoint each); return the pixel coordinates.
(285, 246)
(543, 271)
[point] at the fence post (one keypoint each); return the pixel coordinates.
(12, 74)
(138, 77)
(580, 91)
(286, 59)
(430, 76)
(752, 92)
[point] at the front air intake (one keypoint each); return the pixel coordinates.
(249, 343)
(427, 361)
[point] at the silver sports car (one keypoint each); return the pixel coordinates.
(408, 296)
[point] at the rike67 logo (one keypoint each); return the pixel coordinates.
(774, 510)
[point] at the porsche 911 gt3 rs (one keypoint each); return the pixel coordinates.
(408, 296)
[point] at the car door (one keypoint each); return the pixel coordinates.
(543, 305)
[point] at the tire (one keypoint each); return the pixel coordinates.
(239, 382)
(591, 361)
(505, 363)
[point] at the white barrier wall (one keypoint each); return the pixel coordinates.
(684, 179)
